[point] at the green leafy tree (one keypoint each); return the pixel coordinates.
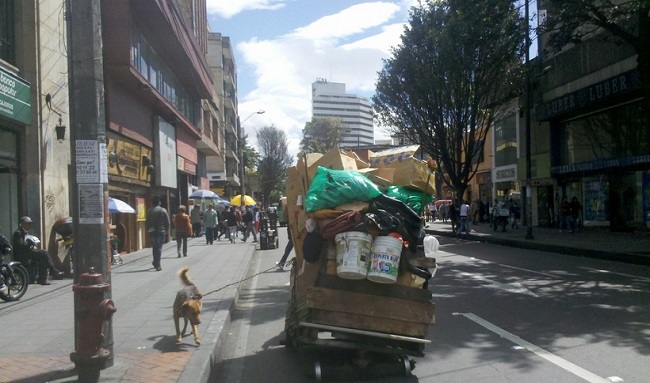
(321, 135)
(628, 21)
(274, 160)
(457, 66)
(250, 155)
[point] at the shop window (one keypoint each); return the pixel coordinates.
(7, 32)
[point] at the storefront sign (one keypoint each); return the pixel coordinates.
(590, 95)
(505, 174)
(128, 159)
(185, 165)
(166, 161)
(14, 98)
(484, 178)
(141, 209)
(643, 159)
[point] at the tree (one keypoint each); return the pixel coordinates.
(274, 160)
(250, 156)
(321, 134)
(573, 21)
(457, 65)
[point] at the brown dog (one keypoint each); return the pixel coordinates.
(188, 306)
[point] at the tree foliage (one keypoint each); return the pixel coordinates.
(274, 160)
(250, 155)
(321, 135)
(458, 63)
(574, 21)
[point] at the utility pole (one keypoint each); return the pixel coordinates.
(89, 186)
(526, 190)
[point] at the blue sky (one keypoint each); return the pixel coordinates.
(282, 46)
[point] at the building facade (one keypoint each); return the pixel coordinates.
(590, 136)
(34, 100)
(329, 99)
(158, 90)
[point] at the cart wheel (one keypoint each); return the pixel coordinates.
(318, 372)
(407, 365)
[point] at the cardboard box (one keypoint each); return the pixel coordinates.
(334, 159)
(385, 157)
(382, 177)
(413, 173)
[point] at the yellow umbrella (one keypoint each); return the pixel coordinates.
(248, 200)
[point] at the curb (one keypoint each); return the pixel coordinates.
(631, 258)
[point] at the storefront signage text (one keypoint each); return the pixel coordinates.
(14, 98)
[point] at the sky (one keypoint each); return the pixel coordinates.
(282, 46)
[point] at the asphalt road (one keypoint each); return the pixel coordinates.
(503, 315)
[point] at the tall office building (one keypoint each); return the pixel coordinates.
(329, 99)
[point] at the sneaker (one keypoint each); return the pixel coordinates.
(179, 254)
(158, 268)
(255, 241)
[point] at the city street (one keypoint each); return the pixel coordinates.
(503, 315)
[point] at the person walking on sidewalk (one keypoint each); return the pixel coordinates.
(183, 230)
(157, 224)
(464, 212)
(249, 223)
(231, 218)
(574, 212)
(210, 222)
(287, 250)
(515, 214)
(453, 216)
(565, 214)
(25, 251)
(196, 216)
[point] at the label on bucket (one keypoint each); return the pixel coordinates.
(384, 260)
(352, 254)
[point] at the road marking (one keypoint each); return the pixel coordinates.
(514, 287)
(530, 271)
(644, 279)
(560, 362)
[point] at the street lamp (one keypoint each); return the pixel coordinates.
(241, 152)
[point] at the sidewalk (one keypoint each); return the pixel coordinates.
(589, 242)
(38, 331)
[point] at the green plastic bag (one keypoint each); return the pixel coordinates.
(412, 198)
(331, 188)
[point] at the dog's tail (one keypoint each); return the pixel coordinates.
(184, 277)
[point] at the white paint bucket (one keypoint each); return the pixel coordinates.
(384, 259)
(352, 254)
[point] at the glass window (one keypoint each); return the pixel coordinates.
(505, 140)
(7, 32)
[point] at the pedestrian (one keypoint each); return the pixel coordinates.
(444, 211)
(183, 230)
(574, 211)
(196, 216)
(249, 222)
(565, 214)
(210, 222)
(233, 223)
(157, 225)
(515, 214)
(464, 213)
(25, 250)
(453, 216)
(287, 250)
(223, 224)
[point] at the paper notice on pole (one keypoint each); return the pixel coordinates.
(91, 204)
(103, 163)
(87, 161)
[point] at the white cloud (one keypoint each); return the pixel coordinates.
(229, 8)
(350, 21)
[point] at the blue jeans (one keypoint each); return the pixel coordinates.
(463, 224)
(157, 241)
(210, 234)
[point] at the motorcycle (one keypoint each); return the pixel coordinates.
(14, 278)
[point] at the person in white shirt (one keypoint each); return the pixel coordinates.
(464, 224)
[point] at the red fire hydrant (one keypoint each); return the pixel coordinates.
(91, 312)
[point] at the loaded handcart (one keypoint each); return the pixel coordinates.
(359, 306)
(269, 229)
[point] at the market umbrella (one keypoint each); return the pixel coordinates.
(203, 194)
(118, 206)
(248, 200)
(222, 202)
